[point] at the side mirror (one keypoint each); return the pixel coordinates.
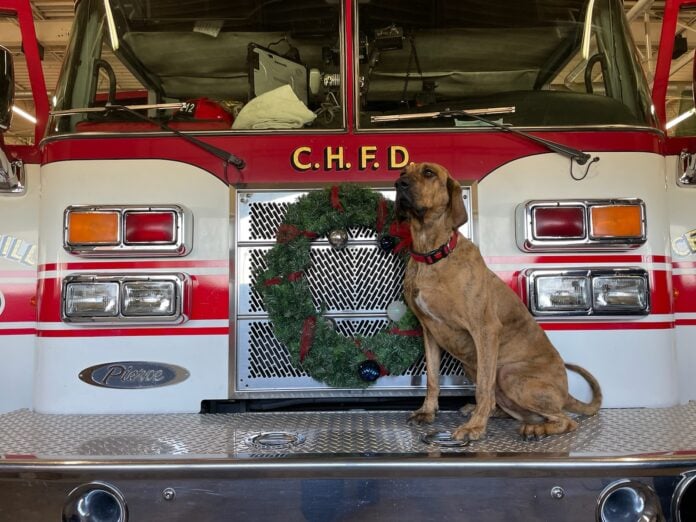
(6, 88)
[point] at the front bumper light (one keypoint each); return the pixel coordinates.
(588, 292)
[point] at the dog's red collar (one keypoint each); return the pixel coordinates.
(439, 253)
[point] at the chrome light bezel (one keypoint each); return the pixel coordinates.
(652, 509)
(532, 275)
(181, 246)
(527, 242)
(180, 281)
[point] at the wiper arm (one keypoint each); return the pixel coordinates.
(227, 157)
(580, 157)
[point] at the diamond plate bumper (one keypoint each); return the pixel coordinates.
(337, 465)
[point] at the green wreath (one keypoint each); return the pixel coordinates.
(311, 339)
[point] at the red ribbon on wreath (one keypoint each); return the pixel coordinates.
(407, 333)
(291, 277)
(402, 230)
(287, 233)
(335, 200)
(307, 338)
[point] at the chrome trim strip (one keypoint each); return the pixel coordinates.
(434, 464)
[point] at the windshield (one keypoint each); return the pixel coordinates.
(253, 65)
(538, 63)
(224, 65)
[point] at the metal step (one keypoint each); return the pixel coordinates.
(613, 432)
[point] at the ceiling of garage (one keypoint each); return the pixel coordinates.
(54, 19)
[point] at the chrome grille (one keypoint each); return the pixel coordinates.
(354, 285)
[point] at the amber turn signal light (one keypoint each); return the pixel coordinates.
(93, 228)
(619, 221)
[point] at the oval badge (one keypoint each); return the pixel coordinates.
(133, 374)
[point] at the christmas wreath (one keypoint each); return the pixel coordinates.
(312, 339)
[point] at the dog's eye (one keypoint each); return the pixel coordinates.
(428, 173)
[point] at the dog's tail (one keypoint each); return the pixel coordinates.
(575, 406)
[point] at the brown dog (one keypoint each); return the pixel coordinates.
(469, 311)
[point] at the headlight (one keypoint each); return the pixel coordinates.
(617, 293)
(155, 298)
(86, 299)
(588, 292)
(562, 293)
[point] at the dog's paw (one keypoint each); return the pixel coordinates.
(466, 432)
(422, 417)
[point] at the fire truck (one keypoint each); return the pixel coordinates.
(155, 337)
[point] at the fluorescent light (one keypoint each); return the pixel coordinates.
(113, 35)
(683, 116)
(23, 114)
(587, 31)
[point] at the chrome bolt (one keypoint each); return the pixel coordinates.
(168, 494)
(557, 492)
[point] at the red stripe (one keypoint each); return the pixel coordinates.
(134, 332)
(20, 303)
(684, 293)
(209, 298)
(110, 265)
(684, 265)
(560, 259)
(607, 326)
(686, 322)
(17, 331)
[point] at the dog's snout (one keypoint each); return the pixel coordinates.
(402, 183)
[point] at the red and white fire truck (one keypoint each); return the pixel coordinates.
(143, 375)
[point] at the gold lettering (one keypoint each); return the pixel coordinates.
(295, 161)
(398, 157)
(367, 153)
(331, 157)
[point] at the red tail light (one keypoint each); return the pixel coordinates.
(559, 222)
(150, 227)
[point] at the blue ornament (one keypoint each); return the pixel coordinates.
(387, 242)
(369, 371)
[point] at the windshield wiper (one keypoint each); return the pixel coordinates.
(227, 157)
(580, 157)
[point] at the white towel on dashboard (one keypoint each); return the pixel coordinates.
(276, 109)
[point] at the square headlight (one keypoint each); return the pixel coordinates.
(98, 299)
(619, 293)
(562, 293)
(149, 298)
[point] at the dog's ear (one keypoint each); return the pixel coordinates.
(456, 206)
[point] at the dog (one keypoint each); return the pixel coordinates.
(467, 310)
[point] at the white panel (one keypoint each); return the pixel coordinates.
(635, 368)
(60, 359)
(18, 226)
(59, 362)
